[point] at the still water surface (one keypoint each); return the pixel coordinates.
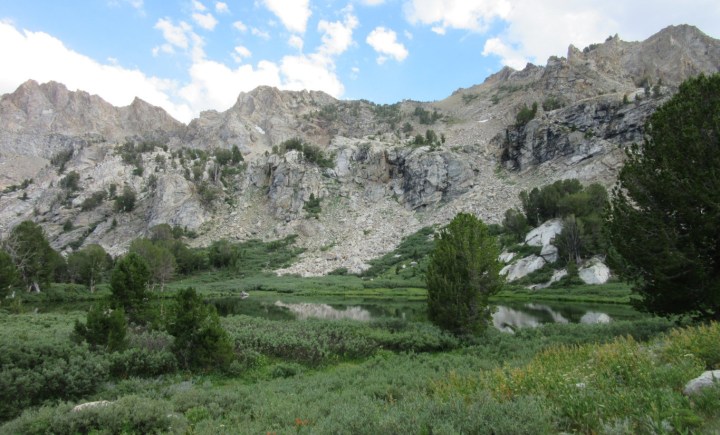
(507, 317)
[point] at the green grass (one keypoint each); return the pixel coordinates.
(610, 293)
(392, 376)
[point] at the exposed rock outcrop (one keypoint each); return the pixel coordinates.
(383, 185)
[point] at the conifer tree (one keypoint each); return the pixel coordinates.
(665, 217)
(463, 273)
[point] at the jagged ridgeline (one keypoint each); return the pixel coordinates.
(351, 179)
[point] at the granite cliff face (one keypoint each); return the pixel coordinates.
(388, 170)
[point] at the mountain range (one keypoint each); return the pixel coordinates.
(369, 175)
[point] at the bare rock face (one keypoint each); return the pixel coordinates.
(382, 186)
(38, 120)
(430, 177)
(259, 119)
(175, 203)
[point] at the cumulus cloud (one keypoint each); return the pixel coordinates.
(296, 42)
(532, 31)
(293, 14)
(241, 53)
(214, 85)
(179, 36)
(260, 33)
(240, 26)
(39, 56)
(222, 8)
(176, 35)
(384, 42)
(206, 21)
(198, 6)
(310, 72)
(475, 15)
(337, 36)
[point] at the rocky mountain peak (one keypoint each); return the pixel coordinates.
(378, 171)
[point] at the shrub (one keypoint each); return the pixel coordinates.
(125, 203)
(525, 115)
(552, 103)
(200, 341)
(312, 206)
(92, 201)
(61, 158)
(129, 414)
(128, 284)
(70, 182)
(104, 328)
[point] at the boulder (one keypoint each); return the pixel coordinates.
(707, 379)
(595, 273)
(545, 233)
(88, 405)
(549, 253)
(522, 267)
(556, 276)
(506, 257)
(593, 318)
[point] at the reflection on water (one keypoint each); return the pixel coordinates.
(592, 318)
(323, 311)
(504, 318)
(507, 319)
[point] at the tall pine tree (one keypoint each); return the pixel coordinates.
(665, 217)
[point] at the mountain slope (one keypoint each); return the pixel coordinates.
(394, 168)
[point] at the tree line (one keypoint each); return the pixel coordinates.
(660, 227)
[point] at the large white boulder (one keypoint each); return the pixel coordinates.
(549, 253)
(556, 276)
(707, 379)
(506, 257)
(595, 273)
(88, 405)
(522, 267)
(545, 233)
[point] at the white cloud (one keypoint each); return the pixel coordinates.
(39, 56)
(534, 31)
(260, 33)
(384, 41)
(337, 36)
(475, 15)
(509, 56)
(296, 42)
(180, 36)
(294, 14)
(215, 86)
(206, 21)
(240, 26)
(222, 8)
(241, 53)
(372, 2)
(174, 35)
(198, 6)
(310, 72)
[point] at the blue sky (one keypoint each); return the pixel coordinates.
(194, 55)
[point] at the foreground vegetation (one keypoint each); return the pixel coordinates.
(386, 375)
